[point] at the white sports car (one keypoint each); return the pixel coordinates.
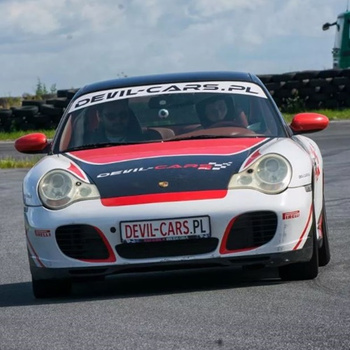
(174, 171)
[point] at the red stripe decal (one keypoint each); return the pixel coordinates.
(74, 169)
(178, 148)
(163, 197)
(33, 250)
(223, 249)
(320, 225)
(304, 231)
(250, 160)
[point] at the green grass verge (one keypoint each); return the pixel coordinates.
(10, 163)
(11, 136)
(330, 113)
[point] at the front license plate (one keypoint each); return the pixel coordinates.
(169, 229)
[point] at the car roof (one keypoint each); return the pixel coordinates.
(168, 78)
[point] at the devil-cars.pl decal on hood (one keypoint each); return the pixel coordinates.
(171, 170)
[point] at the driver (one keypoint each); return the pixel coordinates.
(118, 123)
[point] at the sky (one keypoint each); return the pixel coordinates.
(70, 43)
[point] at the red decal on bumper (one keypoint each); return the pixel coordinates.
(163, 197)
(305, 229)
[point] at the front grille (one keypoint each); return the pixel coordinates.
(252, 230)
(81, 242)
(167, 248)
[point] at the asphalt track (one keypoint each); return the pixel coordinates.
(211, 309)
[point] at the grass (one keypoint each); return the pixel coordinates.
(11, 136)
(330, 113)
(10, 163)
(7, 163)
(27, 162)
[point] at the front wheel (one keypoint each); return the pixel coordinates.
(304, 270)
(51, 288)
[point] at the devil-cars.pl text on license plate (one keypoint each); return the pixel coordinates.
(169, 229)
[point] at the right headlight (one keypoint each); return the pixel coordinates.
(59, 188)
(269, 174)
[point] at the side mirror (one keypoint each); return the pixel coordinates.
(326, 26)
(303, 123)
(33, 143)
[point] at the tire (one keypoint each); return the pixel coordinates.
(278, 78)
(51, 110)
(265, 78)
(62, 93)
(317, 82)
(306, 75)
(305, 270)
(329, 73)
(293, 84)
(6, 119)
(37, 103)
(51, 288)
(341, 81)
(345, 72)
(324, 253)
(307, 91)
(330, 104)
(26, 126)
(5, 112)
(312, 104)
(319, 97)
(283, 93)
(272, 86)
(71, 93)
(25, 111)
(61, 102)
(41, 121)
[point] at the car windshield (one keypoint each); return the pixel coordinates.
(168, 113)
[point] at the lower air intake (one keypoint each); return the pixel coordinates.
(81, 242)
(167, 248)
(252, 230)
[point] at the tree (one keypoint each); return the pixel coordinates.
(42, 90)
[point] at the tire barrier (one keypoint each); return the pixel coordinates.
(5, 119)
(292, 92)
(36, 114)
(309, 90)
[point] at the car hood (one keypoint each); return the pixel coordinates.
(167, 171)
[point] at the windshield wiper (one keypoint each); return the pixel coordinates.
(98, 145)
(203, 137)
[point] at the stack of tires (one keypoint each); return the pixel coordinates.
(328, 89)
(36, 114)
(5, 119)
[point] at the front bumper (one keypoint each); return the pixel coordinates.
(260, 261)
(289, 243)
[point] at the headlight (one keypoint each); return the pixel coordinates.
(58, 189)
(269, 174)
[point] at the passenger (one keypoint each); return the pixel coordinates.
(220, 111)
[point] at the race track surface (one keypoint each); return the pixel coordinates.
(207, 309)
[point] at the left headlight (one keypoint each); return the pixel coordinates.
(269, 174)
(58, 189)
